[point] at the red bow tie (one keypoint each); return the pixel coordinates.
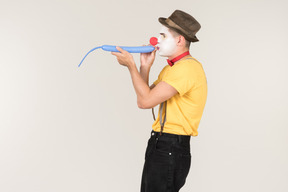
(171, 62)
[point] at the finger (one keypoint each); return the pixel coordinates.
(116, 53)
(120, 49)
(156, 49)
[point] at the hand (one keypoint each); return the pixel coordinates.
(147, 59)
(124, 58)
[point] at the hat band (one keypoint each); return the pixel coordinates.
(174, 25)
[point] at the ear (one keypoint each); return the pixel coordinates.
(181, 40)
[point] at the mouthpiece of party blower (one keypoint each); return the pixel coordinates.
(139, 49)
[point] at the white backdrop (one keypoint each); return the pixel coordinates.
(64, 128)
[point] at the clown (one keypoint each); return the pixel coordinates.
(181, 92)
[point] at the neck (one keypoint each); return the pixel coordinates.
(179, 52)
(178, 58)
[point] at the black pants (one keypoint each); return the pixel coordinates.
(167, 163)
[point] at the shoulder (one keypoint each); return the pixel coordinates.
(165, 68)
(188, 65)
(163, 71)
(189, 62)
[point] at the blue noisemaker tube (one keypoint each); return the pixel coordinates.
(112, 48)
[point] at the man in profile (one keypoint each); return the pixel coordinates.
(181, 91)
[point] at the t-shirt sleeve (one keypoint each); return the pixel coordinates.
(157, 81)
(181, 77)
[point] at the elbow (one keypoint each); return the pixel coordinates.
(139, 105)
(142, 105)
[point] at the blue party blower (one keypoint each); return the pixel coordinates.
(139, 49)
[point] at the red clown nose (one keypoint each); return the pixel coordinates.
(153, 41)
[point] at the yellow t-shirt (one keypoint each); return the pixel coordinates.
(185, 109)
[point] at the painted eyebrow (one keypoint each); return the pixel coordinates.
(162, 34)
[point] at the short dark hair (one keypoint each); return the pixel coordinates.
(176, 34)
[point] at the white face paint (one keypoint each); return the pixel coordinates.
(166, 43)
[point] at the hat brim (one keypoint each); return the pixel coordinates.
(162, 20)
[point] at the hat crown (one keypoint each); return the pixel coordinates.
(183, 23)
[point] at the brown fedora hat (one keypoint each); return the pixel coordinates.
(182, 23)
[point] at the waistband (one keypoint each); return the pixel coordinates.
(179, 138)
